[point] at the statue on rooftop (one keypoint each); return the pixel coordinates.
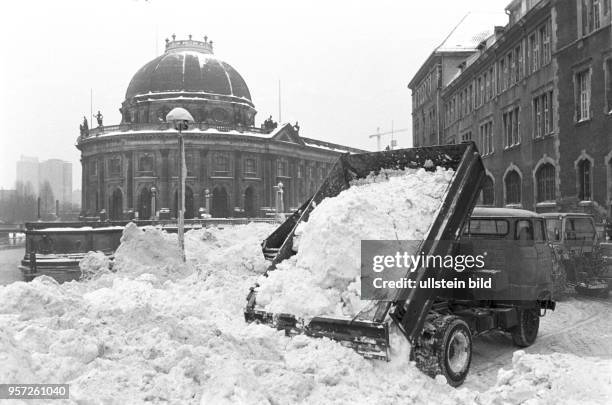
(84, 127)
(99, 118)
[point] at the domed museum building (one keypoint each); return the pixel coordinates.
(233, 166)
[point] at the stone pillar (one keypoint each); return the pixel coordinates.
(129, 182)
(164, 184)
(268, 180)
(101, 185)
(237, 180)
(84, 176)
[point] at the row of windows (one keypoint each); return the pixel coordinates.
(545, 188)
(526, 57)
(511, 125)
(542, 109)
(221, 166)
(426, 88)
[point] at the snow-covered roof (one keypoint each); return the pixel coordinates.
(474, 28)
(503, 212)
(247, 132)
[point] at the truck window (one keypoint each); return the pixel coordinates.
(553, 229)
(580, 228)
(524, 230)
(538, 230)
(494, 227)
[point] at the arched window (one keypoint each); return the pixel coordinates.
(488, 192)
(545, 183)
(584, 180)
(513, 187)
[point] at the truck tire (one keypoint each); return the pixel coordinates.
(447, 352)
(526, 332)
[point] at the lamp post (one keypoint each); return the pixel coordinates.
(181, 120)
(153, 198)
(280, 208)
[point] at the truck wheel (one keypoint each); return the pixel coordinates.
(448, 352)
(525, 333)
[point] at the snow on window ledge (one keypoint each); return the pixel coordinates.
(585, 203)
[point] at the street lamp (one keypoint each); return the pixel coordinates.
(280, 206)
(153, 208)
(181, 120)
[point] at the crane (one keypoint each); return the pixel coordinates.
(379, 135)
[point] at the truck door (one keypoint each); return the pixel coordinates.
(543, 251)
(527, 254)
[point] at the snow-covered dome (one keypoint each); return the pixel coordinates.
(188, 66)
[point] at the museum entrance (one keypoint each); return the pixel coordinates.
(220, 203)
(144, 204)
(116, 205)
(250, 203)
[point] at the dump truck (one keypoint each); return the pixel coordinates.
(438, 324)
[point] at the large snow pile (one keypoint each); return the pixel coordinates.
(149, 250)
(324, 275)
(552, 379)
(131, 338)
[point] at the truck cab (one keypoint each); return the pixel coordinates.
(571, 231)
(516, 253)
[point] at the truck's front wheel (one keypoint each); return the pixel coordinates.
(525, 333)
(448, 352)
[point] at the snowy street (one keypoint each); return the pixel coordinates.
(580, 326)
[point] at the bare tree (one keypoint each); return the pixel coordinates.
(19, 206)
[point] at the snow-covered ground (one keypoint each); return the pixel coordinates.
(160, 331)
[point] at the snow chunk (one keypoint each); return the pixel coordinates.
(149, 250)
(555, 378)
(94, 264)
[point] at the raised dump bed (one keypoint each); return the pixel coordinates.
(370, 336)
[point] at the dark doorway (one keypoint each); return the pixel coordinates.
(250, 205)
(220, 203)
(286, 196)
(144, 204)
(189, 206)
(116, 205)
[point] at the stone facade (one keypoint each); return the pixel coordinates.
(518, 96)
(232, 167)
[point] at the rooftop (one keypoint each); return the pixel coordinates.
(473, 28)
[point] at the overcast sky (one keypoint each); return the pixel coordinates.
(343, 65)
